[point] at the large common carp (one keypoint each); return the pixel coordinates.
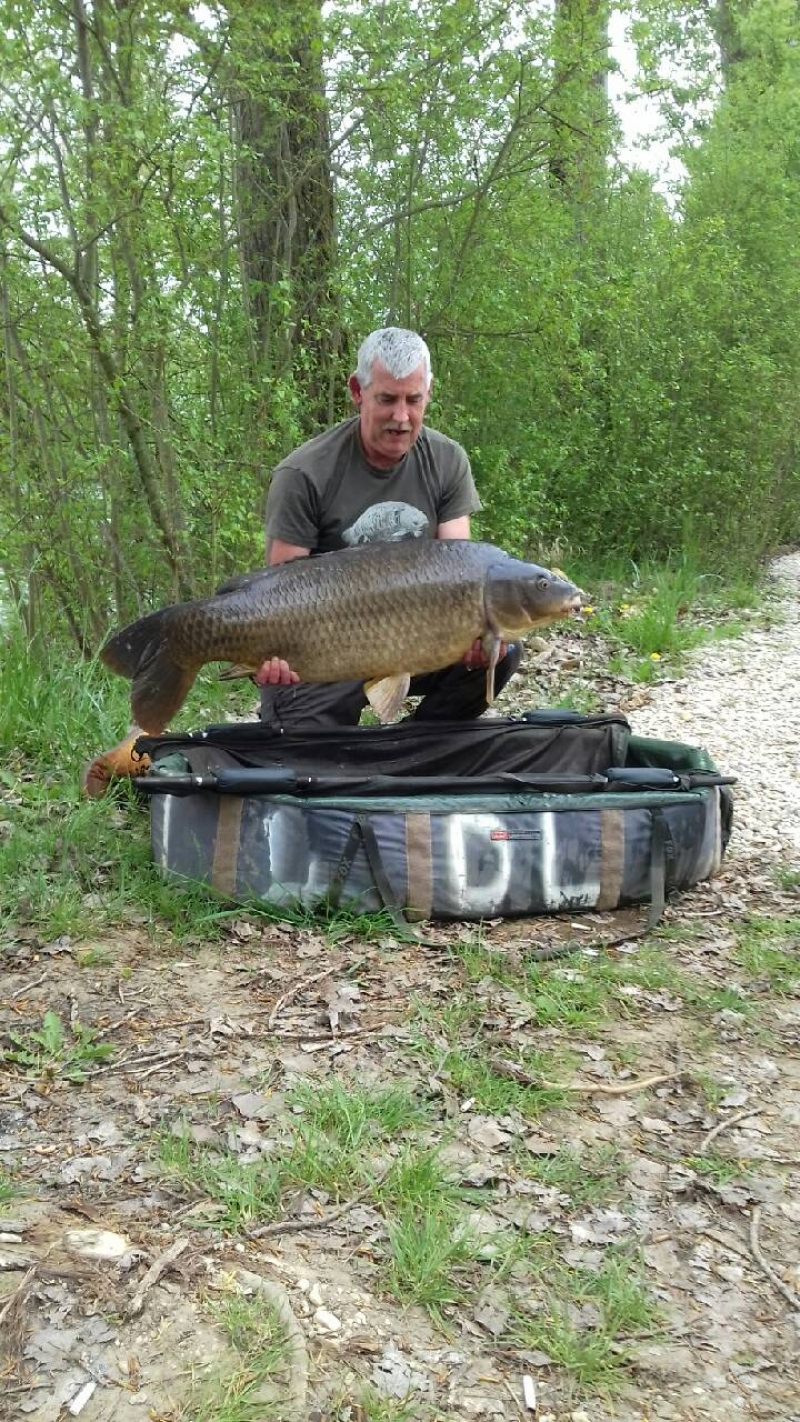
(381, 614)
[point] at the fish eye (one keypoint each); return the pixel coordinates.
(542, 583)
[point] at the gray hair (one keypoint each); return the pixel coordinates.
(398, 350)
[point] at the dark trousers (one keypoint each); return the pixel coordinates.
(456, 693)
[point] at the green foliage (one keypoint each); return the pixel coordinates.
(374, 1407)
(327, 1148)
(249, 1390)
(8, 1189)
(716, 1168)
(768, 950)
(353, 1118)
(426, 1252)
(614, 1295)
(623, 368)
(584, 1177)
(49, 1051)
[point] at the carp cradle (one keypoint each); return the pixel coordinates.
(551, 812)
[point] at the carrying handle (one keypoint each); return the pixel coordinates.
(270, 780)
(658, 777)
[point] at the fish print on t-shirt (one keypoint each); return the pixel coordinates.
(386, 523)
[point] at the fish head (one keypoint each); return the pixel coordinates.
(523, 595)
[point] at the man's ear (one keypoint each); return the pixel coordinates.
(354, 386)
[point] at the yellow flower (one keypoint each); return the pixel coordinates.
(655, 656)
(587, 607)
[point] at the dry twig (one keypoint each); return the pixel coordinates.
(158, 1066)
(317, 1221)
(724, 1125)
(120, 1022)
(157, 1268)
(28, 987)
(598, 945)
(17, 1297)
(296, 991)
(584, 1088)
(731, 1245)
(755, 1249)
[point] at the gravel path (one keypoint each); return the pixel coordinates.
(741, 701)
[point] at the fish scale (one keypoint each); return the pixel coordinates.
(379, 613)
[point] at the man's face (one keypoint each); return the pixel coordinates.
(391, 413)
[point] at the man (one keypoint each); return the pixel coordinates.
(379, 475)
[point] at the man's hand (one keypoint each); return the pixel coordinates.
(476, 657)
(276, 672)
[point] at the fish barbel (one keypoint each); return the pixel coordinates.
(380, 613)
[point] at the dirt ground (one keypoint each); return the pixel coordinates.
(209, 1040)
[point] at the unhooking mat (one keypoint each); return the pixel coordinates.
(549, 812)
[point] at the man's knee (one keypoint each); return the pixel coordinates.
(320, 704)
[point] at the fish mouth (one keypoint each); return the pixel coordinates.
(550, 613)
(568, 607)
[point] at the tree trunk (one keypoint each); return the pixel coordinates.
(732, 50)
(285, 201)
(580, 112)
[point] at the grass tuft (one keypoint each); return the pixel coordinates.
(580, 1317)
(49, 1051)
(358, 1117)
(584, 1177)
(8, 1187)
(662, 611)
(327, 1150)
(768, 950)
(250, 1390)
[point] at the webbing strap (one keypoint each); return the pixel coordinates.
(362, 832)
(662, 858)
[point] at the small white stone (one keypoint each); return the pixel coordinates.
(327, 1320)
(92, 1243)
(315, 1295)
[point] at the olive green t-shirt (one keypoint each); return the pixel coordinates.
(326, 495)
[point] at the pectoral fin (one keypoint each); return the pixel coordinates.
(235, 670)
(387, 695)
(491, 646)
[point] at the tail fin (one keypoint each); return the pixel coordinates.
(160, 683)
(160, 687)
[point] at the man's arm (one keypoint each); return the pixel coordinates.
(454, 528)
(280, 552)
